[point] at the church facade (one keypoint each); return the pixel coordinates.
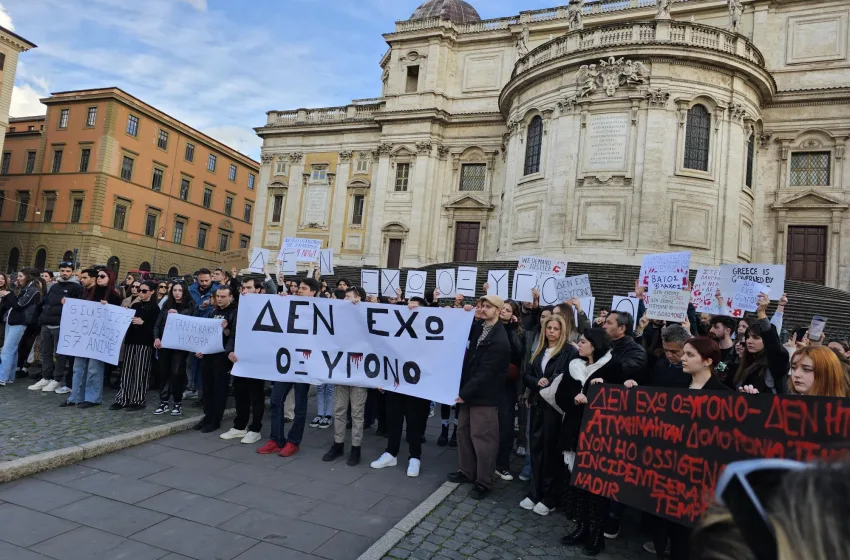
(596, 132)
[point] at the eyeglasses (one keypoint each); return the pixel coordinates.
(163, 287)
(144, 291)
(66, 264)
(102, 276)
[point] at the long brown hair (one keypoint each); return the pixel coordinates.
(830, 380)
(543, 343)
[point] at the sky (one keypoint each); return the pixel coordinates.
(217, 65)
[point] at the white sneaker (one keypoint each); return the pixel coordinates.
(386, 460)
(541, 509)
(527, 504)
(251, 437)
(413, 467)
(233, 433)
(62, 390)
(50, 387)
(39, 386)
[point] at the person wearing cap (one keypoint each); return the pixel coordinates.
(485, 368)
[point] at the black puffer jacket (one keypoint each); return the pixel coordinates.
(632, 358)
(51, 309)
(23, 307)
(485, 366)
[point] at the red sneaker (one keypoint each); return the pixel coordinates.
(289, 450)
(268, 448)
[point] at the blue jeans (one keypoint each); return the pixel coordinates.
(9, 354)
(325, 400)
(196, 369)
(88, 381)
(296, 432)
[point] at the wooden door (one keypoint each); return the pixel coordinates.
(806, 257)
(466, 241)
(394, 253)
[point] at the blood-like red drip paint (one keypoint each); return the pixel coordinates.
(307, 354)
(357, 358)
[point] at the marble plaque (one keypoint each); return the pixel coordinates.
(606, 141)
(316, 205)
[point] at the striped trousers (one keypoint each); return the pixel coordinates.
(134, 374)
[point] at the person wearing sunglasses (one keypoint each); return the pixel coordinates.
(133, 297)
(138, 351)
(162, 290)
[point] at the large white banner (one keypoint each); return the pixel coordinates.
(90, 329)
(192, 334)
(416, 352)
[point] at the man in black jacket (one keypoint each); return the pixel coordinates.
(485, 369)
(216, 367)
(51, 314)
(620, 325)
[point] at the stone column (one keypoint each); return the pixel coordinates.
(293, 196)
(338, 218)
(372, 252)
(413, 253)
(261, 204)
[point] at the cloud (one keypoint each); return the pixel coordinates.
(239, 138)
(25, 101)
(6, 19)
(200, 5)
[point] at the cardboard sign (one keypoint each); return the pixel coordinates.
(542, 265)
(669, 305)
(238, 259)
(497, 284)
(628, 305)
(326, 262)
(524, 282)
(390, 283)
(663, 450)
(666, 264)
(370, 281)
(415, 285)
(90, 329)
(466, 279)
(192, 334)
(306, 250)
(446, 283)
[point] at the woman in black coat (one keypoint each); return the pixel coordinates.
(595, 365)
(509, 316)
(138, 351)
(549, 361)
(765, 363)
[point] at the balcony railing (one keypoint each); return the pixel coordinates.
(358, 110)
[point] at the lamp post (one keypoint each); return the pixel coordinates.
(159, 236)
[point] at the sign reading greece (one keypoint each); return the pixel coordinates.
(90, 329)
(543, 266)
(733, 277)
(417, 352)
(192, 334)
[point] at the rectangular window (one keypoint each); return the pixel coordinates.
(223, 242)
(251, 179)
(178, 231)
(85, 155)
(357, 214)
(277, 208)
(362, 165)
(49, 208)
(190, 152)
(63, 118)
(76, 210)
(228, 205)
(810, 169)
(402, 176)
(248, 209)
(281, 167)
(207, 198)
(472, 176)
(202, 237)
(211, 163)
(119, 217)
(231, 175)
(133, 125)
(2, 61)
(30, 162)
(412, 84)
(91, 118)
(150, 225)
(2, 200)
(57, 161)
(184, 189)
(244, 241)
(23, 206)
(7, 161)
(127, 168)
(156, 181)
(162, 141)
(320, 174)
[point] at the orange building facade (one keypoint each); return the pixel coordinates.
(104, 178)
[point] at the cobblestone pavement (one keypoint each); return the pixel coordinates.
(32, 422)
(497, 527)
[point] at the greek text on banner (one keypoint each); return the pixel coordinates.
(416, 352)
(90, 329)
(192, 334)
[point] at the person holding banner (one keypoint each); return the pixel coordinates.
(23, 305)
(764, 365)
(172, 363)
(138, 351)
(215, 368)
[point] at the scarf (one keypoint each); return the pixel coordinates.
(581, 371)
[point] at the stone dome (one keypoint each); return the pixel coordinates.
(456, 11)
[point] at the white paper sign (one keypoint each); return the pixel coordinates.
(415, 285)
(543, 265)
(746, 295)
(288, 264)
(771, 275)
(306, 250)
(666, 263)
(370, 281)
(90, 329)
(497, 284)
(466, 278)
(554, 290)
(258, 260)
(669, 305)
(587, 305)
(416, 352)
(326, 262)
(705, 288)
(390, 283)
(524, 282)
(192, 334)
(446, 283)
(627, 304)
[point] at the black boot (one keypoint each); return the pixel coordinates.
(577, 537)
(453, 441)
(336, 450)
(443, 440)
(354, 458)
(595, 542)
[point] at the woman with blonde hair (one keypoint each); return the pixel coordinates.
(549, 360)
(817, 372)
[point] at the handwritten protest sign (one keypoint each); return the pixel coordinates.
(543, 266)
(192, 334)
(370, 281)
(497, 284)
(524, 282)
(627, 304)
(415, 285)
(705, 287)
(390, 282)
(664, 265)
(236, 258)
(446, 282)
(466, 278)
(772, 276)
(669, 305)
(587, 305)
(90, 329)
(306, 250)
(416, 352)
(663, 450)
(326, 262)
(258, 259)
(554, 290)
(746, 295)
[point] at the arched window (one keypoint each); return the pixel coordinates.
(68, 256)
(533, 145)
(113, 264)
(697, 138)
(41, 258)
(145, 266)
(173, 272)
(14, 257)
(751, 155)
